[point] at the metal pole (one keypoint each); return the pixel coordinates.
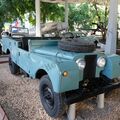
(112, 28)
(100, 101)
(111, 37)
(38, 26)
(66, 12)
(72, 108)
(71, 112)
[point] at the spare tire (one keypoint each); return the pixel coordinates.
(76, 45)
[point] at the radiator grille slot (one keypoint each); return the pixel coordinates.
(90, 69)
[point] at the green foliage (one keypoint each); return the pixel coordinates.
(53, 12)
(80, 16)
(49, 12)
(11, 9)
(84, 15)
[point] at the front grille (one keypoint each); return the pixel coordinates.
(90, 69)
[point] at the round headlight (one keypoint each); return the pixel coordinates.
(81, 63)
(101, 62)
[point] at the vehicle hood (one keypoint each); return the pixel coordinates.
(56, 52)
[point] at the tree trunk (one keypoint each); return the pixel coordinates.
(1, 26)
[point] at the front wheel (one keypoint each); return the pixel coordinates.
(51, 101)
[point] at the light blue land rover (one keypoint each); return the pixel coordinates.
(70, 69)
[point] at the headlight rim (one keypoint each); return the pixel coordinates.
(99, 60)
(80, 60)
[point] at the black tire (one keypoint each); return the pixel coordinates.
(67, 35)
(51, 101)
(76, 45)
(14, 69)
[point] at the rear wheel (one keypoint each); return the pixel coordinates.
(14, 69)
(51, 101)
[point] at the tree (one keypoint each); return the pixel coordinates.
(88, 15)
(11, 9)
(80, 16)
(49, 12)
(53, 12)
(102, 18)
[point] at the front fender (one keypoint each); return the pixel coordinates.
(112, 68)
(52, 70)
(75, 75)
(59, 82)
(55, 70)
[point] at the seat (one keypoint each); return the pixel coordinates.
(24, 40)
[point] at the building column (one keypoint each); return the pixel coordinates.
(111, 36)
(71, 112)
(38, 26)
(100, 101)
(66, 13)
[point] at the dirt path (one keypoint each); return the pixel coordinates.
(19, 97)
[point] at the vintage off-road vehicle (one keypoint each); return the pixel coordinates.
(70, 69)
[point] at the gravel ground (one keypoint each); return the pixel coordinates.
(19, 97)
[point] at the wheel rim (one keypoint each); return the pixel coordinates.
(48, 96)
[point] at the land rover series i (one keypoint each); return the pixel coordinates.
(69, 69)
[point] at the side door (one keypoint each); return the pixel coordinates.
(24, 60)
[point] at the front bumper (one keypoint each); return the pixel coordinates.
(84, 93)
